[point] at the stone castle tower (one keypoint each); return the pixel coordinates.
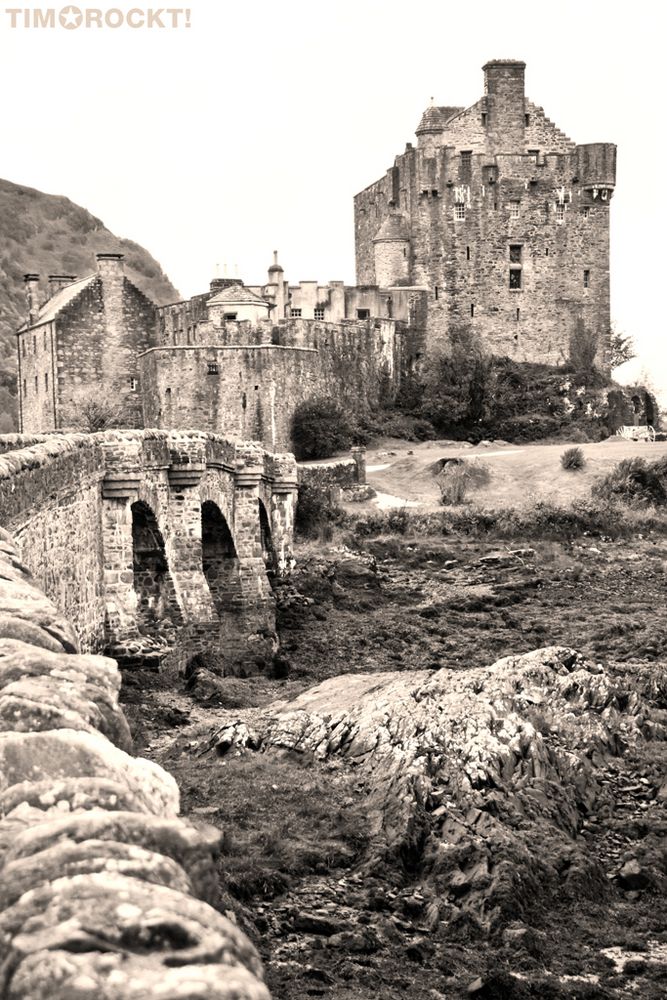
(503, 219)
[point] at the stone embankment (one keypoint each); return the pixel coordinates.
(105, 893)
(482, 782)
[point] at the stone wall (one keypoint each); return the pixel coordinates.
(105, 890)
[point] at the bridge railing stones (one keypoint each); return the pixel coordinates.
(105, 893)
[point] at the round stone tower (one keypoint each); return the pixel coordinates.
(391, 248)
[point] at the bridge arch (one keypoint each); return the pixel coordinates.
(220, 561)
(153, 584)
(266, 537)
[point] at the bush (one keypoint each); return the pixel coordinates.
(316, 512)
(319, 429)
(573, 458)
(93, 408)
(633, 481)
(456, 478)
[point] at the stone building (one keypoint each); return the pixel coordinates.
(89, 332)
(503, 219)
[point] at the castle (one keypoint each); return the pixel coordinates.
(492, 232)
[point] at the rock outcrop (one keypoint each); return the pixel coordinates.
(478, 781)
(105, 893)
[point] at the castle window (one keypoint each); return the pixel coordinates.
(46, 381)
(25, 388)
(587, 279)
(466, 164)
(436, 291)
(527, 119)
(560, 213)
(534, 153)
(515, 253)
(514, 209)
(434, 193)
(546, 252)
(485, 118)
(515, 278)
(229, 316)
(134, 384)
(586, 211)
(518, 315)
(36, 383)
(363, 314)
(319, 312)
(472, 309)
(212, 367)
(295, 313)
(467, 253)
(45, 340)
(459, 211)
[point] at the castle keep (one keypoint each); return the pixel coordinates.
(503, 219)
(493, 232)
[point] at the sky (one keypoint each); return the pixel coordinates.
(251, 129)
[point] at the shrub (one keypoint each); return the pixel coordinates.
(319, 429)
(456, 478)
(633, 480)
(93, 408)
(316, 512)
(573, 458)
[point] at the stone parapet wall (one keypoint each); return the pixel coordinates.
(106, 894)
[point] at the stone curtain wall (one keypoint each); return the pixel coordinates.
(247, 380)
(70, 499)
(105, 891)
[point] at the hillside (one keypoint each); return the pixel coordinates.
(49, 234)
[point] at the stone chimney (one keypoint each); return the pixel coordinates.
(505, 105)
(110, 265)
(32, 297)
(217, 284)
(58, 281)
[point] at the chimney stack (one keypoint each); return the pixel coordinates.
(58, 281)
(505, 105)
(110, 266)
(32, 297)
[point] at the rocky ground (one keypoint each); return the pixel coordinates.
(449, 825)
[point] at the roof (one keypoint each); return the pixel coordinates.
(435, 118)
(393, 228)
(57, 302)
(237, 295)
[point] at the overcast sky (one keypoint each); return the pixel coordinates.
(252, 129)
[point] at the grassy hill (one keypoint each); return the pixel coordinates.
(49, 234)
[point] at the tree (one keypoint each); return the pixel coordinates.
(92, 408)
(621, 348)
(457, 386)
(319, 429)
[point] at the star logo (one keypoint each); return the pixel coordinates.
(70, 17)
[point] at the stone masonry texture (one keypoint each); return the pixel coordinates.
(493, 189)
(101, 881)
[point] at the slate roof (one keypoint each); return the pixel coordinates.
(393, 228)
(62, 298)
(236, 295)
(435, 118)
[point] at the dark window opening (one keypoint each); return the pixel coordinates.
(25, 387)
(472, 309)
(424, 193)
(546, 252)
(212, 367)
(434, 192)
(436, 291)
(36, 384)
(586, 211)
(46, 381)
(485, 118)
(515, 253)
(467, 253)
(296, 313)
(363, 314)
(534, 152)
(256, 388)
(518, 315)
(229, 316)
(134, 384)
(527, 119)
(515, 277)
(587, 279)
(319, 311)
(466, 164)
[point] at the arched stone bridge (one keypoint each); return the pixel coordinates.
(145, 534)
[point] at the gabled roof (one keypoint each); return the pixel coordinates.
(237, 295)
(57, 302)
